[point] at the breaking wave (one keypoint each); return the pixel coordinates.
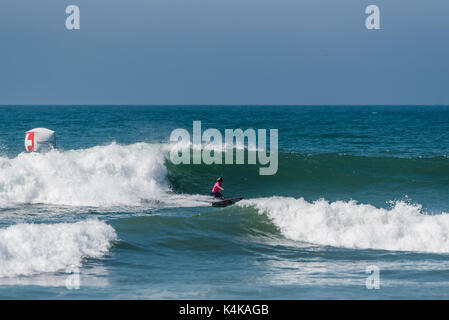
(112, 175)
(28, 249)
(403, 227)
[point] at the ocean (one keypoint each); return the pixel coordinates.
(358, 208)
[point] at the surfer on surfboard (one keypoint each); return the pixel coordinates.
(217, 188)
(221, 201)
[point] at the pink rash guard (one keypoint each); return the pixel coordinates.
(215, 188)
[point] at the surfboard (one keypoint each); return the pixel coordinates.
(225, 202)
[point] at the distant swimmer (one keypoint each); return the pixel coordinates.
(217, 188)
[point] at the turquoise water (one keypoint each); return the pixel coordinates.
(356, 187)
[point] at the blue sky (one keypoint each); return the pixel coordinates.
(224, 52)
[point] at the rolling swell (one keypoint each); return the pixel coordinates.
(319, 175)
(141, 173)
(223, 230)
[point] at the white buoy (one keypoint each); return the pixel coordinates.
(40, 139)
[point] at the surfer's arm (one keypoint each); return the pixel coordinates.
(220, 188)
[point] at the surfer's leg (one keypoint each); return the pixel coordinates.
(217, 195)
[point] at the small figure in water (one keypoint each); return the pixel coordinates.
(217, 188)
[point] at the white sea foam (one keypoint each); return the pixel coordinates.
(102, 176)
(28, 249)
(403, 227)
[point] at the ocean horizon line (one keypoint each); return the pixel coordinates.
(224, 105)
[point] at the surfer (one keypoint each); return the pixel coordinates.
(217, 188)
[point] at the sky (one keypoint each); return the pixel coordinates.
(239, 52)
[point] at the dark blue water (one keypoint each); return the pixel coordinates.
(107, 215)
